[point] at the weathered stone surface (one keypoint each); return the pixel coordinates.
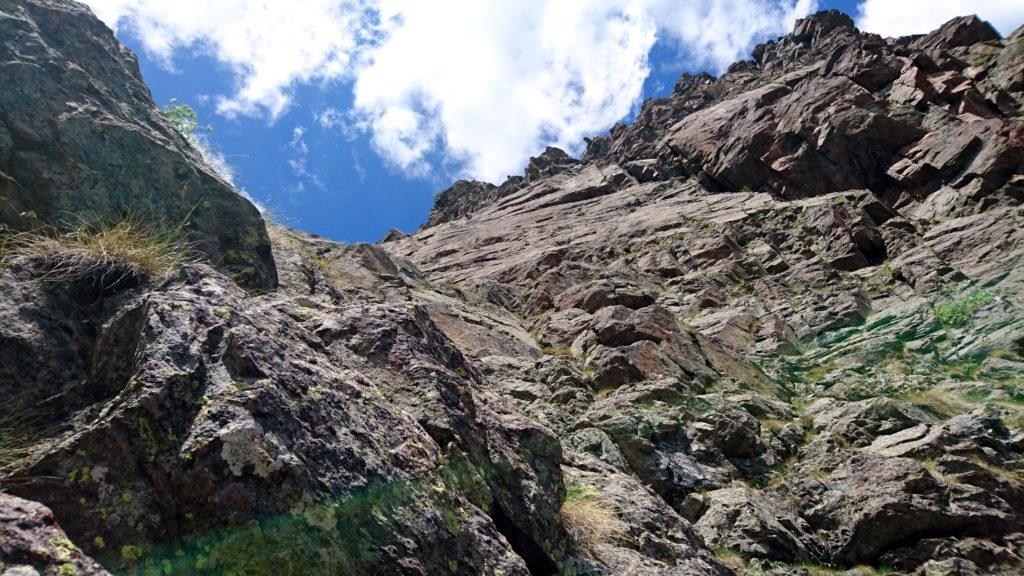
(656, 541)
(237, 419)
(31, 543)
(962, 31)
(860, 423)
(85, 141)
(748, 291)
(740, 519)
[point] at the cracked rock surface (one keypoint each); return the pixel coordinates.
(772, 327)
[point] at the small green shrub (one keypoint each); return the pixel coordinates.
(957, 312)
(184, 118)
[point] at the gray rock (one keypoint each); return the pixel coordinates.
(31, 542)
(238, 420)
(740, 519)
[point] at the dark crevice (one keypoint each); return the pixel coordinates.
(537, 560)
(969, 530)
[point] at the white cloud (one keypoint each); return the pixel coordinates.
(298, 159)
(470, 86)
(719, 32)
(905, 17)
(492, 82)
(270, 45)
(213, 156)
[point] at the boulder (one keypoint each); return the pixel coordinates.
(870, 503)
(31, 542)
(740, 519)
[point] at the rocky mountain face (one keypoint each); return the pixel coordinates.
(773, 327)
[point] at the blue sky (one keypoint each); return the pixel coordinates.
(349, 134)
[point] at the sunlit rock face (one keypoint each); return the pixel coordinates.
(773, 326)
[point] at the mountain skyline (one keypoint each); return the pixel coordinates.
(298, 141)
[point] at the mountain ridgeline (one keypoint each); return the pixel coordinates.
(774, 326)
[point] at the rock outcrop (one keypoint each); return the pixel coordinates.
(773, 327)
(81, 140)
(31, 542)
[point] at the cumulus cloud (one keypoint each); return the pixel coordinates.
(719, 32)
(471, 87)
(270, 45)
(489, 83)
(905, 17)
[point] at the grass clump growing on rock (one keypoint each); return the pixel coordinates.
(730, 558)
(19, 434)
(101, 258)
(589, 518)
(13, 446)
(939, 403)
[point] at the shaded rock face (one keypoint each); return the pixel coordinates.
(31, 542)
(462, 198)
(823, 372)
(244, 437)
(80, 138)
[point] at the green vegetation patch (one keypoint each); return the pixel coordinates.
(184, 119)
(955, 313)
(345, 536)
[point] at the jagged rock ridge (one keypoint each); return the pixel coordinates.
(774, 326)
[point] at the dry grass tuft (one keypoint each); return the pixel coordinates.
(12, 448)
(16, 442)
(589, 518)
(939, 403)
(101, 258)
